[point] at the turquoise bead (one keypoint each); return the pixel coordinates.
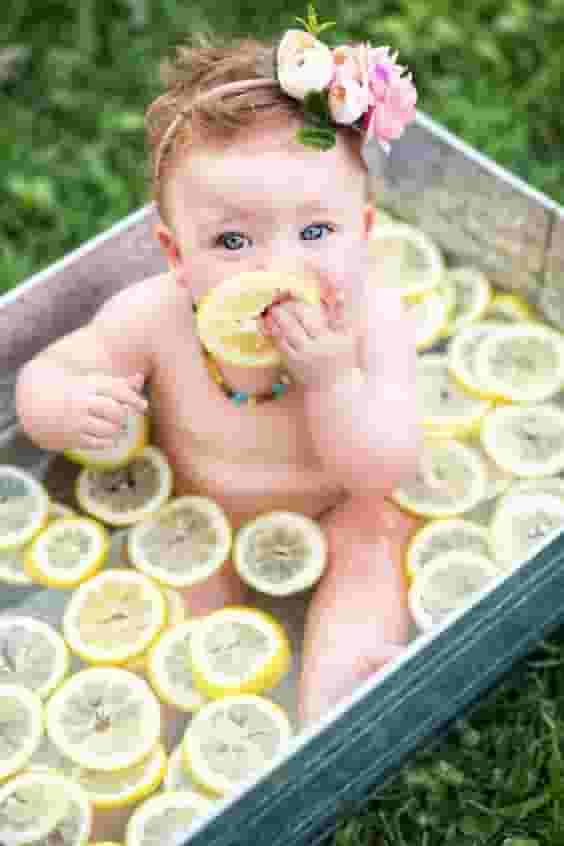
(240, 397)
(279, 388)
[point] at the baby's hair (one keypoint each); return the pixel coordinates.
(173, 123)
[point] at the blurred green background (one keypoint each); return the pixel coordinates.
(76, 76)
(75, 79)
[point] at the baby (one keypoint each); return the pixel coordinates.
(238, 190)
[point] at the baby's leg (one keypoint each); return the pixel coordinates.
(223, 588)
(358, 618)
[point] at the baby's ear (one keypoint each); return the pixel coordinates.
(168, 242)
(369, 219)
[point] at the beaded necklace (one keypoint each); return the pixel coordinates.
(278, 389)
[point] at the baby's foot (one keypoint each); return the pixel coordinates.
(223, 588)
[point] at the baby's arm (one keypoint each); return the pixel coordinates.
(78, 390)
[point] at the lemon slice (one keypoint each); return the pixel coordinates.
(12, 570)
(132, 439)
(471, 294)
(552, 485)
(523, 362)
(462, 356)
(67, 552)
(430, 314)
(446, 584)
(227, 316)
(175, 614)
(177, 776)
(57, 511)
(24, 507)
(522, 524)
(238, 650)
(406, 257)
(509, 307)
(21, 727)
(441, 536)
(551, 300)
(233, 740)
(185, 543)
(526, 440)
(450, 480)
(127, 495)
(32, 654)
(444, 405)
(280, 553)
(498, 479)
(123, 787)
(114, 617)
(169, 668)
(104, 718)
(42, 804)
(166, 819)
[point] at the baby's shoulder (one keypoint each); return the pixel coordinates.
(140, 303)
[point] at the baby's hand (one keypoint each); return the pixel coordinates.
(315, 341)
(98, 405)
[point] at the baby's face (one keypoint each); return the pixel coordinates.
(267, 203)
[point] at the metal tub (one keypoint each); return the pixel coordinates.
(478, 213)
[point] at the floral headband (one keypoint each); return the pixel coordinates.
(358, 86)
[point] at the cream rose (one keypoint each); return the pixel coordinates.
(304, 64)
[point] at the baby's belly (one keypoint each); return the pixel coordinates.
(245, 490)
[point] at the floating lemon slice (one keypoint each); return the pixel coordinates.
(32, 654)
(471, 294)
(233, 740)
(441, 536)
(451, 479)
(227, 316)
(166, 819)
(114, 617)
(12, 570)
(123, 787)
(523, 362)
(177, 776)
(24, 507)
(104, 718)
(185, 543)
(21, 727)
(406, 257)
(175, 614)
(132, 439)
(169, 668)
(509, 307)
(446, 584)
(280, 553)
(127, 495)
(526, 440)
(498, 479)
(552, 485)
(445, 407)
(57, 511)
(462, 356)
(430, 314)
(67, 552)
(41, 804)
(551, 299)
(238, 650)
(522, 524)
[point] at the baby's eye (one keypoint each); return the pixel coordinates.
(231, 240)
(314, 230)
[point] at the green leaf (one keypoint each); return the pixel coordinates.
(316, 106)
(319, 138)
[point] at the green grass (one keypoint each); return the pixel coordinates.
(73, 163)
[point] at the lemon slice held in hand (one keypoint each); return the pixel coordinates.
(233, 740)
(129, 494)
(68, 552)
(104, 718)
(32, 654)
(227, 315)
(238, 650)
(133, 437)
(114, 617)
(24, 507)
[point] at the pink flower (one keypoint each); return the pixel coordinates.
(393, 98)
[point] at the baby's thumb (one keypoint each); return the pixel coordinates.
(137, 380)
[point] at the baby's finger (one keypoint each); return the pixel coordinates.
(290, 329)
(109, 409)
(101, 428)
(120, 391)
(91, 442)
(310, 318)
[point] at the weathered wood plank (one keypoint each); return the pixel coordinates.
(551, 297)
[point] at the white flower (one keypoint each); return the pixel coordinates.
(304, 64)
(349, 94)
